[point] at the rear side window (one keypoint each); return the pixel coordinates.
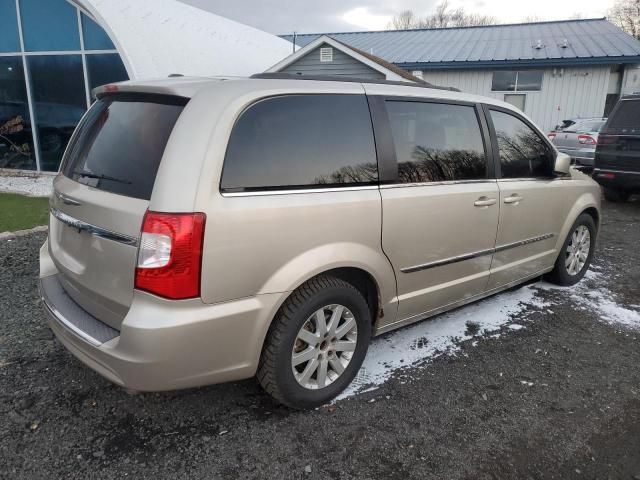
(120, 142)
(301, 141)
(436, 142)
(626, 116)
(523, 153)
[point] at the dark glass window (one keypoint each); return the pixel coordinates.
(120, 143)
(504, 81)
(523, 153)
(16, 141)
(59, 105)
(105, 68)
(95, 38)
(9, 41)
(301, 141)
(529, 80)
(49, 25)
(520, 81)
(436, 142)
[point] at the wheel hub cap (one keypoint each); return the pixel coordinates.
(578, 250)
(324, 346)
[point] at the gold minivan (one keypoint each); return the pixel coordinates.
(211, 230)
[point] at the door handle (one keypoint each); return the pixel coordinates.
(515, 198)
(485, 202)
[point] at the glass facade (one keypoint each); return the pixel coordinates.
(48, 68)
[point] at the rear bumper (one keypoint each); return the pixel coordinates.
(162, 344)
(581, 158)
(617, 179)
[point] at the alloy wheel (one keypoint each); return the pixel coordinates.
(324, 346)
(578, 250)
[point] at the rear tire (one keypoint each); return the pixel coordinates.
(338, 352)
(576, 254)
(616, 196)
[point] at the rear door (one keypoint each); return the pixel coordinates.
(440, 203)
(533, 203)
(101, 196)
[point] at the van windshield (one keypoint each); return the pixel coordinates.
(119, 144)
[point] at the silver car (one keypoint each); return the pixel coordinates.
(579, 141)
(212, 230)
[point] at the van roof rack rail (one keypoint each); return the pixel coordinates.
(337, 78)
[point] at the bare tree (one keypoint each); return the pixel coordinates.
(626, 14)
(443, 17)
(403, 21)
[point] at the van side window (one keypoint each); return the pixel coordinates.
(523, 153)
(301, 141)
(436, 142)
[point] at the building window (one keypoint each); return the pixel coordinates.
(105, 68)
(326, 54)
(49, 26)
(58, 105)
(9, 41)
(95, 38)
(517, 81)
(65, 58)
(16, 140)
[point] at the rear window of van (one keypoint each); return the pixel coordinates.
(120, 142)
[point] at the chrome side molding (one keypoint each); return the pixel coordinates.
(93, 229)
(481, 253)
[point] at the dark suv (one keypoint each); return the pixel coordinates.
(617, 162)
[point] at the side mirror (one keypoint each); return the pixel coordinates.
(562, 164)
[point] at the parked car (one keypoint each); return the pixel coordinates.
(617, 161)
(564, 124)
(579, 141)
(210, 230)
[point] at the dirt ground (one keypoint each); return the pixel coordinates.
(559, 399)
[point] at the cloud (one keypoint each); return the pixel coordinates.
(287, 16)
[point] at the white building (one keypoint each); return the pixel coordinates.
(551, 70)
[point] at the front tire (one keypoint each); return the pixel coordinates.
(576, 253)
(316, 344)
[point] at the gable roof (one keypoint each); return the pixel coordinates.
(389, 70)
(591, 41)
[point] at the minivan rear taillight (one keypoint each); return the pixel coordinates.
(170, 254)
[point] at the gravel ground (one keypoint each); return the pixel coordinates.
(559, 399)
(35, 186)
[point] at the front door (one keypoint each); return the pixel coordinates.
(533, 203)
(441, 216)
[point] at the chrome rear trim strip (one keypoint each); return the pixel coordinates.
(66, 323)
(481, 253)
(624, 172)
(93, 229)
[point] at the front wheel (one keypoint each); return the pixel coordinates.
(316, 343)
(576, 253)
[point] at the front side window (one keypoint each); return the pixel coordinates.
(301, 141)
(523, 153)
(436, 142)
(517, 81)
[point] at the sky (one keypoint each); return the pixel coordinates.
(311, 16)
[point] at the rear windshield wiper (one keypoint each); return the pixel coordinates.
(100, 177)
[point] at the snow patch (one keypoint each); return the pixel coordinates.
(389, 354)
(35, 186)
